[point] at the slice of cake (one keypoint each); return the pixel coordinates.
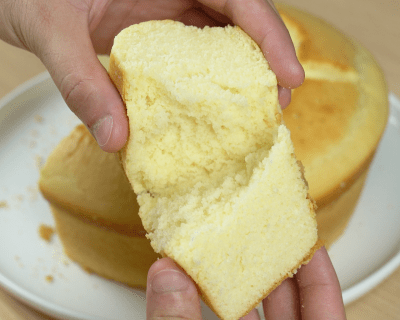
(218, 184)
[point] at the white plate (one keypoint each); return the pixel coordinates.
(34, 118)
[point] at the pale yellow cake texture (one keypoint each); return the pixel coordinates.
(218, 184)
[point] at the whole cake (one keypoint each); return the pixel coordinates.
(336, 119)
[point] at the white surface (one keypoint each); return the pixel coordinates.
(34, 118)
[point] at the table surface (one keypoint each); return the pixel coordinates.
(373, 23)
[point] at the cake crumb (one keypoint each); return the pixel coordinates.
(18, 260)
(3, 204)
(38, 118)
(46, 232)
(39, 162)
(49, 278)
(66, 262)
(33, 193)
(32, 144)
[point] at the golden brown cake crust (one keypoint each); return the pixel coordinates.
(125, 229)
(108, 253)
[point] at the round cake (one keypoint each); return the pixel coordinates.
(336, 119)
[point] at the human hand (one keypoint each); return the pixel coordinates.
(313, 293)
(67, 34)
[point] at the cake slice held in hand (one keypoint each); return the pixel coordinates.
(219, 187)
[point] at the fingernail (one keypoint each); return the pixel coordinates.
(102, 130)
(169, 280)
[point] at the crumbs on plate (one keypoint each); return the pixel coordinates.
(39, 119)
(46, 232)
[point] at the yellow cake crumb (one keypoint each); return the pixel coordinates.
(46, 232)
(38, 118)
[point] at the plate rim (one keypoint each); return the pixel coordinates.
(362, 287)
(23, 87)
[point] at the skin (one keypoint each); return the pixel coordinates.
(67, 34)
(312, 294)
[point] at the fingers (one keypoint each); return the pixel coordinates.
(90, 94)
(171, 293)
(319, 288)
(252, 315)
(284, 96)
(282, 303)
(84, 84)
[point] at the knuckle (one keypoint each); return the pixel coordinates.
(76, 91)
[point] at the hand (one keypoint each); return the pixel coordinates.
(67, 34)
(314, 293)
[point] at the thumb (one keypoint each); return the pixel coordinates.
(171, 293)
(69, 56)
